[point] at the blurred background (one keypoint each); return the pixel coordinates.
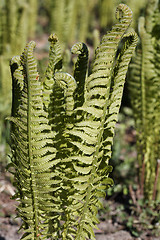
(86, 21)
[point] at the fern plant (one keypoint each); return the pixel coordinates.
(62, 131)
(10, 27)
(13, 35)
(32, 18)
(105, 10)
(70, 20)
(139, 8)
(15, 28)
(145, 99)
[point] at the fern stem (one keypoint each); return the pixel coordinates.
(142, 177)
(142, 32)
(33, 181)
(143, 98)
(66, 227)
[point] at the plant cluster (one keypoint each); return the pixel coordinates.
(62, 125)
(145, 99)
(62, 131)
(14, 32)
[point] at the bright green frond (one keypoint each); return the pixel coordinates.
(55, 64)
(86, 135)
(68, 84)
(31, 155)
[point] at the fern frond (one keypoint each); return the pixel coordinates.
(138, 7)
(87, 133)
(11, 22)
(106, 10)
(80, 71)
(17, 78)
(146, 107)
(33, 5)
(109, 45)
(55, 64)
(21, 31)
(69, 24)
(68, 83)
(130, 40)
(33, 154)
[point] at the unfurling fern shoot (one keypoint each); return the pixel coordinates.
(62, 132)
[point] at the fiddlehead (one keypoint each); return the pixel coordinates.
(55, 64)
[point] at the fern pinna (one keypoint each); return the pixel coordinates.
(145, 99)
(62, 132)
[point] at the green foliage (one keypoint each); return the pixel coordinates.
(13, 28)
(123, 154)
(137, 7)
(11, 38)
(14, 31)
(143, 218)
(144, 90)
(62, 131)
(106, 12)
(32, 17)
(71, 20)
(13, 35)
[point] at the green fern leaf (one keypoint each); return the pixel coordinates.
(67, 82)
(146, 106)
(32, 156)
(55, 64)
(80, 71)
(102, 97)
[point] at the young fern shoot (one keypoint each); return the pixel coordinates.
(62, 132)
